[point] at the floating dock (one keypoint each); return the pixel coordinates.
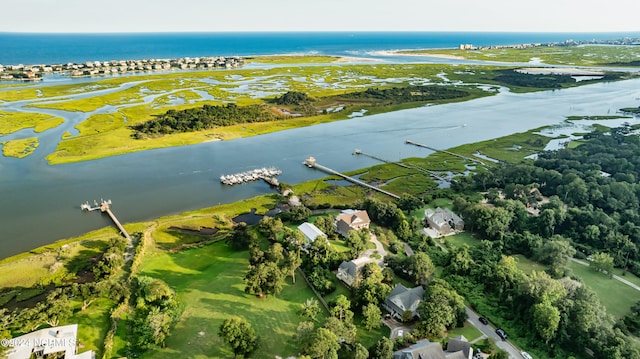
(311, 163)
(266, 174)
(104, 207)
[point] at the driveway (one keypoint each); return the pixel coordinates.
(395, 326)
(379, 249)
(490, 331)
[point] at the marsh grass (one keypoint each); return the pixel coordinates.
(19, 148)
(11, 122)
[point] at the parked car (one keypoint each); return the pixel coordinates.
(400, 332)
(526, 355)
(483, 320)
(501, 333)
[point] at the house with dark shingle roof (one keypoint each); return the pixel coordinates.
(461, 345)
(348, 271)
(402, 299)
(444, 221)
(425, 349)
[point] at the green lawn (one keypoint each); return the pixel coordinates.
(209, 283)
(469, 331)
(616, 296)
(93, 324)
(527, 265)
(468, 238)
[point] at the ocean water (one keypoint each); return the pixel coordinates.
(34, 48)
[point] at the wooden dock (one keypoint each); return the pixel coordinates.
(311, 163)
(424, 170)
(444, 151)
(104, 207)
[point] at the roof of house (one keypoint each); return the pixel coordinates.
(310, 231)
(351, 217)
(403, 298)
(50, 340)
(459, 344)
(351, 267)
(440, 216)
(423, 349)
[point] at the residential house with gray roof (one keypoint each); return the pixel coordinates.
(444, 221)
(402, 299)
(425, 349)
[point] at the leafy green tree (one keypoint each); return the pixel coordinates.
(441, 308)
(323, 345)
(404, 231)
(371, 288)
(371, 317)
(153, 329)
(270, 227)
(344, 330)
(357, 242)
(422, 268)
(264, 278)
(556, 253)
(293, 262)
(546, 319)
(602, 262)
(241, 236)
(240, 335)
(56, 308)
(310, 309)
(340, 309)
(383, 349)
(304, 333)
(360, 352)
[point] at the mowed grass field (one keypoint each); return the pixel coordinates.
(209, 283)
(616, 296)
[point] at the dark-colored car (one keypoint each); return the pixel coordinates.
(501, 334)
(483, 320)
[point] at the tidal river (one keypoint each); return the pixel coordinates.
(40, 204)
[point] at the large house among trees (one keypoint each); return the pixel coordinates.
(351, 220)
(443, 221)
(403, 299)
(348, 271)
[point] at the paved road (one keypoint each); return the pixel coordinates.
(614, 276)
(490, 331)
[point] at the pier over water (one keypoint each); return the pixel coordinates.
(104, 207)
(311, 163)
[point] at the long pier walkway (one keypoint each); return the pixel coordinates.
(104, 207)
(311, 163)
(424, 170)
(444, 151)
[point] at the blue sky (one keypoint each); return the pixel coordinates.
(325, 15)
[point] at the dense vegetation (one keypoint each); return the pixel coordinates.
(202, 118)
(592, 212)
(407, 94)
(208, 116)
(550, 81)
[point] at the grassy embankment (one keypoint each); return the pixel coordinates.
(555, 55)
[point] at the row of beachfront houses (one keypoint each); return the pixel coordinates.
(90, 68)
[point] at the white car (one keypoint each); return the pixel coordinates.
(526, 355)
(400, 332)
